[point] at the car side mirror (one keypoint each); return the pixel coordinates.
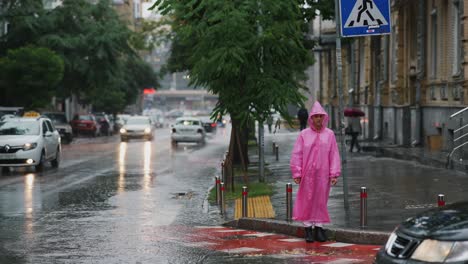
(48, 134)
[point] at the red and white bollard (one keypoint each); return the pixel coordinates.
(441, 200)
(363, 207)
(245, 194)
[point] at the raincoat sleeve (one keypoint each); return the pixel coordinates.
(296, 158)
(334, 158)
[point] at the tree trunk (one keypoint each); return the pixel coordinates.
(238, 145)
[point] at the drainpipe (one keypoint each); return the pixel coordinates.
(421, 34)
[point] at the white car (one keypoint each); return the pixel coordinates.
(188, 129)
(137, 127)
(29, 142)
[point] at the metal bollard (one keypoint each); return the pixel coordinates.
(441, 200)
(363, 206)
(288, 202)
(222, 205)
(245, 194)
(218, 190)
(222, 171)
(277, 152)
(274, 147)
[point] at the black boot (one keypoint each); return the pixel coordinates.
(320, 234)
(309, 236)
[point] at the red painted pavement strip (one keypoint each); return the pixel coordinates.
(244, 242)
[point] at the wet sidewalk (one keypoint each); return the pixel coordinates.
(401, 182)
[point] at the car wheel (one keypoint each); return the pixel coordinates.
(5, 170)
(56, 162)
(40, 166)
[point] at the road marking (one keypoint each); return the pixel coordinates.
(259, 234)
(229, 231)
(241, 250)
(210, 227)
(338, 244)
(291, 240)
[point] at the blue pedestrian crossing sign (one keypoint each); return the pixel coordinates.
(365, 17)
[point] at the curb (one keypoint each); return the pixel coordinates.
(355, 236)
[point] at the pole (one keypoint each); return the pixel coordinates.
(363, 207)
(245, 194)
(218, 189)
(288, 202)
(277, 152)
(261, 151)
(339, 73)
(223, 205)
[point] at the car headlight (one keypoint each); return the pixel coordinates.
(147, 130)
(441, 251)
(123, 131)
(29, 146)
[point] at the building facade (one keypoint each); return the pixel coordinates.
(408, 82)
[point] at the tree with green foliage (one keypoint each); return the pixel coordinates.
(93, 42)
(249, 52)
(29, 76)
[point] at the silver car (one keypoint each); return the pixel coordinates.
(137, 127)
(188, 129)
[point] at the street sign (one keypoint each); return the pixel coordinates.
(365, 17)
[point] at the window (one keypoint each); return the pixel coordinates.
(456, 39)
(50, 127)
(434, 54)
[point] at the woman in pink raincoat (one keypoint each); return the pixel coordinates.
(315, 166)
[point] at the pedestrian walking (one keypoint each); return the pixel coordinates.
(302, 116)
(269, 122)
(315, 166)
(354, 128)
(277, 125)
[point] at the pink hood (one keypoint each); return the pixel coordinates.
(317, 109)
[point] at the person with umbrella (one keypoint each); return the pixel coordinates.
(354, 126)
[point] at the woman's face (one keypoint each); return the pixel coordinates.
(318, 121)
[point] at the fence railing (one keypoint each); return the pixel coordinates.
(458, 142)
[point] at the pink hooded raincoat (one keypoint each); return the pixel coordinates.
(315, 159)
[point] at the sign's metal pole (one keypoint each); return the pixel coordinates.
(339, 87)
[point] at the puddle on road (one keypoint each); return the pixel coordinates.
(183, 195)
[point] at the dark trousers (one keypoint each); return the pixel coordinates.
(354, 141)
(303, 125)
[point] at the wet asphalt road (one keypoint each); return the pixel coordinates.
(111, 202)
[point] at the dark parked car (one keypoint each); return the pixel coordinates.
(61, 124)
(435, 236)
(208, 124)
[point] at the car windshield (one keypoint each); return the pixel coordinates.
(84, 117)
(57, 118)
(14, 127)
(188, 122)
(138, 121)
